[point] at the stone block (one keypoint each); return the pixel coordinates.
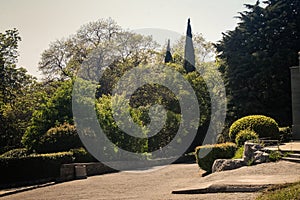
(227, 164)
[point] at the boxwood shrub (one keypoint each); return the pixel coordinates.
(213, 152)
(244, 136)
(265, 127)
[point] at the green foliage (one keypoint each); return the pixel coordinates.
(224, 135)
(60, 138)
(15, 84)
(213, 152)
(284, 191)
(285, 134)
(16, 153)
(245, 135)
(111, 129)
(203, 49)
(18, 165)
(260, 124)
(32, 167)
(29, 110)
(140, 103)
(56, 110)
(255, 58)
(80, 155)
(275, 156)
(239, 153)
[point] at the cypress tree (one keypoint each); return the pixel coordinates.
(189, 52)
(168, 57)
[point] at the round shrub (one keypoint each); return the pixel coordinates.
(60, 138)
(244, 136)
(213, 152)
(264, 126)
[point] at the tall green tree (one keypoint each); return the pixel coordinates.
(189, 52)
(15, 85)
(256, 56)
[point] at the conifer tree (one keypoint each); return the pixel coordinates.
(189, 52)
(255, 60)
(168, 57)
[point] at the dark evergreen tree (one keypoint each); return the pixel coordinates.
(256, 57)
(168, 57)
(189, 52)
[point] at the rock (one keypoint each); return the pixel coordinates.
(249, 150)
(252, 153)
(227, 164)
(260, 157)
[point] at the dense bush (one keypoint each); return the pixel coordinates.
(213, 152)
(60, 138)
(245, 135)
(265, 127)
(56, 110)
(111, 129)
(285, 134)
(32, 167)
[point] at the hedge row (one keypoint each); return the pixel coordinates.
(213, 152)
(39, 166)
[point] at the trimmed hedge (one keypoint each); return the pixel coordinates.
(32, 167)
(244, 136)
(264, 126)
(80, 155)
(215, 151)
(16, 165)
(16, 153)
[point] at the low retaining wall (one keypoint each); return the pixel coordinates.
(67, 171)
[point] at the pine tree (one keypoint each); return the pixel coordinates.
(168, 57)
(189, 52)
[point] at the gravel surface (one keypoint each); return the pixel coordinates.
(156, 184)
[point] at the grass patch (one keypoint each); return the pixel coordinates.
(239, 153)
(289, 191)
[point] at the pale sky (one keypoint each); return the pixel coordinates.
(43, 21)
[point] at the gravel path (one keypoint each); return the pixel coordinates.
(156, 184)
